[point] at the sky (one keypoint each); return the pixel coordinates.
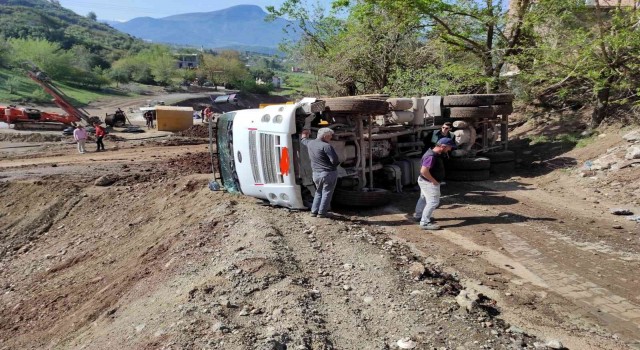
(124, 10)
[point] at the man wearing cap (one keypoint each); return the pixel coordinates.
(324, 164)
(431, 174)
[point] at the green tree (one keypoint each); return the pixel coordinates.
(46, 55)
(92, 16)
(12, 84)
(482, 28)
(584, 51)
(359, 54)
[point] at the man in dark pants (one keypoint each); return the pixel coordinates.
(99, 136)
(431, 174)
(324, 164)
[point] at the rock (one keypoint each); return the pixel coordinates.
(632, 136)
(617, 227)
(554, 344)
(515, 330)
(468, 299)
(140, 327)
(417, 270)
(106, 180)
(633, 152)
(605, 162)
(244, 312)
(539, 345)
(367, 300)
(406, 343)
(620, 211)
(346, 287)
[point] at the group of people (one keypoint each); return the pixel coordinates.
(324, 165)
(80, 135)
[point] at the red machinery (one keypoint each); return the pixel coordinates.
(30, 118)
(60, 98)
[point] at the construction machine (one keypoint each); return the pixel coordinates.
(31, 118)
(75, 114)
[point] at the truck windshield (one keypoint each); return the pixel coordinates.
(224, 143)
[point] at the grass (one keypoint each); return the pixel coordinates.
(577, 140)
(26, 91)
(296, 84)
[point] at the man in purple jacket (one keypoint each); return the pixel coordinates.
(431, 174)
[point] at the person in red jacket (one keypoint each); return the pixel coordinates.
(99, 135)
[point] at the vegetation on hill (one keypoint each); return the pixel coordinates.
(557, 54)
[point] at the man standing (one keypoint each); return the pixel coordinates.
(324, 164)
(431, 174)
(99, 136)
(445, 131)
(80, 135)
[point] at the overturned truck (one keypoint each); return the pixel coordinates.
(379, 141)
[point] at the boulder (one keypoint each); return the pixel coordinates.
(633, 152)
(633, 136)
(106, 180)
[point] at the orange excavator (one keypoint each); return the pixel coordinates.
(30, 118)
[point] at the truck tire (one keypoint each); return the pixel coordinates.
(501, 156)
(502, 109)
(365, 198)
(468, 100)
(503, 168)
(471, 112)
(500, 99)
(349, 105)
(400, 104)
(478, 163)
(467, 175)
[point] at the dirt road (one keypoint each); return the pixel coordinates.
(157, 261)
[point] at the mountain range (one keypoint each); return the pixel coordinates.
(241, 26)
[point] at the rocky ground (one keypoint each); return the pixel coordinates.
(129, 249)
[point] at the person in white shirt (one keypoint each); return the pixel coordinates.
(80, 135)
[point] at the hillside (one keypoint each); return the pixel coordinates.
(242, 25)
(40, 19)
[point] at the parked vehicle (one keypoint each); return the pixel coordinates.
(379, 141)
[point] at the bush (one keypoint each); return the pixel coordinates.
(252, 87)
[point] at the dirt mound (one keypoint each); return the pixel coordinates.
(173, 265)
(195, 131)
(245, 101)
(191, 163)
(35, 137)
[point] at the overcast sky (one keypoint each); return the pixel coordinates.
(124, 10)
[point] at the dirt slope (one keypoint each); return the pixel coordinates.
(157, 261)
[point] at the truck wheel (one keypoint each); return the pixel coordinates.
(503, 168)
(501, 156)
(500, 99)
(365, 198)
(478, 163)
(400, 104)
(468, 100)
(356, 105)
(467, 175)
(471, 112)
(502, 109)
